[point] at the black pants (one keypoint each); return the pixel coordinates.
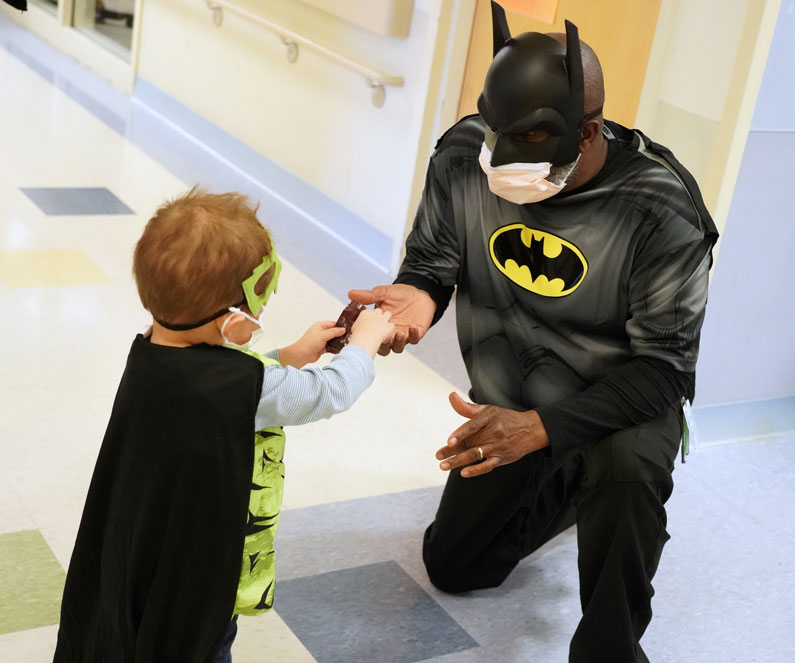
(614, 489)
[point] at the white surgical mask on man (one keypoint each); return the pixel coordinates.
(255, 335)
(523, 183)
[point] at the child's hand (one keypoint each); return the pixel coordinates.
(371, 329)
(311, 346)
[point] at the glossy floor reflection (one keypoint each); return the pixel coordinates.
(360, 488)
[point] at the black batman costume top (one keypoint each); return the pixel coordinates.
(155, 568)
(587, 306)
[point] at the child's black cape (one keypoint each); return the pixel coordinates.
(154, 572)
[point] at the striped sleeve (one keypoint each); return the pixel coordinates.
(294, 396)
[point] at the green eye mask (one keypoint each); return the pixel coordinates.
(256, 302)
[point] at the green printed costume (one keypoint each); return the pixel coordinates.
(257, 574)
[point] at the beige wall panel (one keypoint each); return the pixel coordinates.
(752, 50)
(699, 70)
(689, 135)
(620, 31)
(701, 92)
(388, 17)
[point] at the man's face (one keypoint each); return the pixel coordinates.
(531, 112)
(566, 173)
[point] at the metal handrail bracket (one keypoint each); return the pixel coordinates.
(376, 80)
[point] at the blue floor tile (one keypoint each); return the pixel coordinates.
(76, 201)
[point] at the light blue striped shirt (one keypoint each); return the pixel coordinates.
(294, 396)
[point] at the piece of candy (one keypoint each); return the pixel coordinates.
(346, 319)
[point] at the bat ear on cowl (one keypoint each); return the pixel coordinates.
(574, 66)
(499, 26)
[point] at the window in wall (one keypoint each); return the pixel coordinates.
(108, 21)
(49, 5)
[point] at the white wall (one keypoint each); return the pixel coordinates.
(313, 118)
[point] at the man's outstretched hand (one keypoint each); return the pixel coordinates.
(503, 436)
(412, 311)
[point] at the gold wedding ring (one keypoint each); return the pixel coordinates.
(480, 453)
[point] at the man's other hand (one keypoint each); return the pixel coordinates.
(412, 311)
(495, 435)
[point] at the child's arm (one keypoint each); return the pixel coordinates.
(311, 346)
(293, 396)
(370, 326)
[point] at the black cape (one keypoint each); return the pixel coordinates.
(155, 567)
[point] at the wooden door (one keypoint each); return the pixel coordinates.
(620, 31)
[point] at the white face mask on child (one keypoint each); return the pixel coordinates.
(255, 335)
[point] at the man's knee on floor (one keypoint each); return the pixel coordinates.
(444, 570)
(453, 571)
(448, 581)
(457, 580)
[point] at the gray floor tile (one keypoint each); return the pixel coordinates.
(368, 613)
(76, 201)
(726, 582)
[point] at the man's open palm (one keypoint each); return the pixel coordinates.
(412, 311)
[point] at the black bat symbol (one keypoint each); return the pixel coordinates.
(567, 265)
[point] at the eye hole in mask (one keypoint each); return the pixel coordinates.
(532, 136)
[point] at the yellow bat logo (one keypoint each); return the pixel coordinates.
(538, 261)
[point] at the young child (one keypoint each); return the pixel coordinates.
(176, 537)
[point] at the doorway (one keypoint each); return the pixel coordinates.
(620, 31)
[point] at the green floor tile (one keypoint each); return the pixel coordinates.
(31, 582)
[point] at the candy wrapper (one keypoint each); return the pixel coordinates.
(346, 319)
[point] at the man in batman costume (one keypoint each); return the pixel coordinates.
(579, 252)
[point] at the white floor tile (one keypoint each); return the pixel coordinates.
(32, 646)
(267, 638)
(13, 515)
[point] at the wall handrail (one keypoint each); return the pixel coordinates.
(375, 78)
